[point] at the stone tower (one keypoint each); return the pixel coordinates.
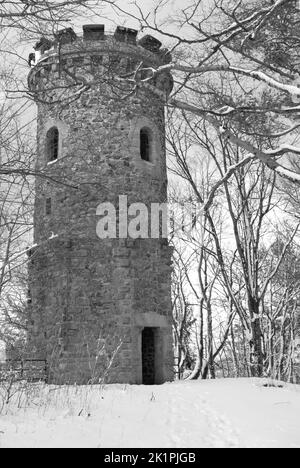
(100, 308)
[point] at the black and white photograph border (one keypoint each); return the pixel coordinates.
(149, 226)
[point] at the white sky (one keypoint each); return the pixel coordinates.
(112, 16)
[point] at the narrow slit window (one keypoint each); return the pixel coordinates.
(52, 141)
(29, 298)
(48, 206)
(145, 142)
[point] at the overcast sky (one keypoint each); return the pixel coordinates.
(112, 17)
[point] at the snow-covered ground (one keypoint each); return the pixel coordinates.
(222, 413)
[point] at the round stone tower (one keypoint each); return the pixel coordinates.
(100, 307)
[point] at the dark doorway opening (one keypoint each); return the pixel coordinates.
(148, 356)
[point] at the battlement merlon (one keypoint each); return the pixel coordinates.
(94, 41)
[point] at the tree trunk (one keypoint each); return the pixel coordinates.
(256, 351)
(234, 354)
(211, 365)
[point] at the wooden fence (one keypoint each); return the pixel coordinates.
(33, 370)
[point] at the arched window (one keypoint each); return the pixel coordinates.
(146, 143)
(52, 141)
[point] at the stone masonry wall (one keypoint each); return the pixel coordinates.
(90, 296)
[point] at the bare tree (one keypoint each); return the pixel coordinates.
(238, 277)
(16, 205)
(236, 66)
(183, 317)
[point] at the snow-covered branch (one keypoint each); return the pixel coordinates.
(230, 171)
(288, 88)
(228, 135)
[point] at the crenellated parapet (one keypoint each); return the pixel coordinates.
(96, 52)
